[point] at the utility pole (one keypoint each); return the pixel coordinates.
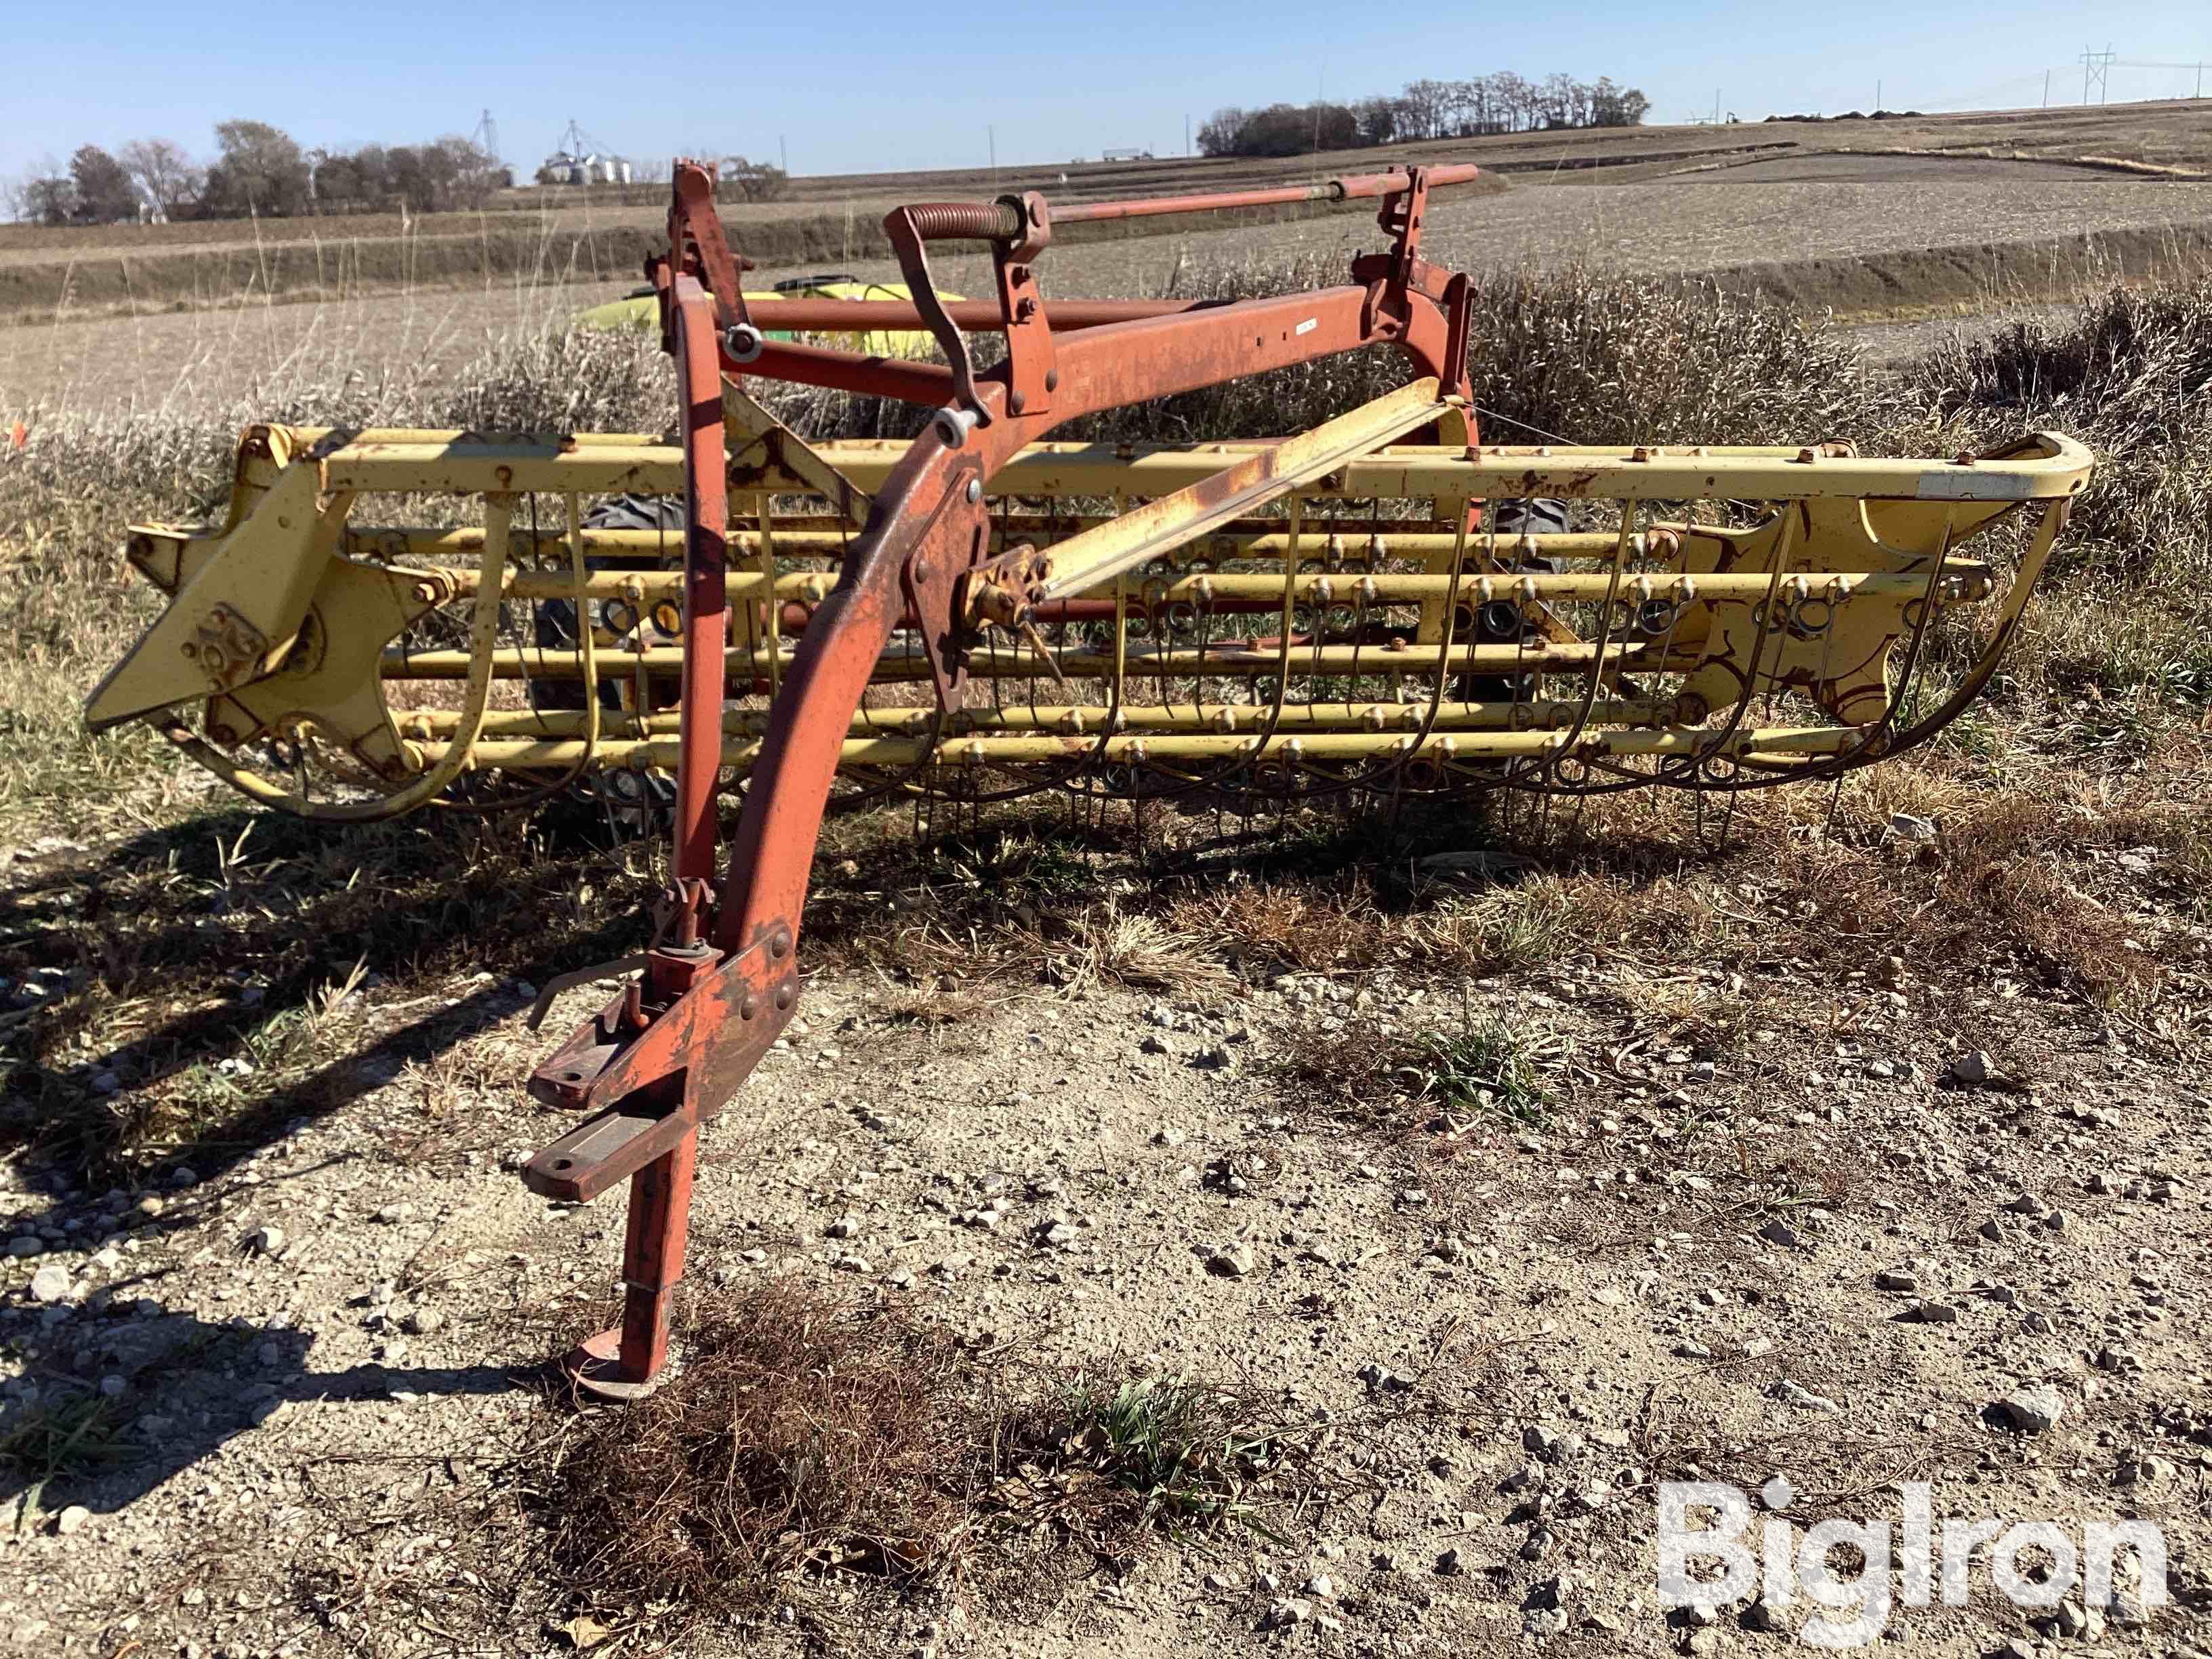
(993, 133)
(2096, 67)
(783, 154)
(1185, 136)
(1717, 106)
(1877, 94)
(2046, 88)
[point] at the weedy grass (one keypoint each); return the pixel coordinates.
(216, 968)
(1165, 1452)
(1484, 1067)
(1476, 1067)
(63, 1436)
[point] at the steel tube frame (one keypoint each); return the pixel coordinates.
(927, 529)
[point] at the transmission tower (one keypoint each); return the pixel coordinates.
(485, 136)
(2096, 66)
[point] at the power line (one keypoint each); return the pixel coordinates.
(2198, 66)
(1988, 96)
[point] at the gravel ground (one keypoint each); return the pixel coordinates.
(1501, 1335)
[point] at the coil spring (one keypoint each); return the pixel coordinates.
(965, 222)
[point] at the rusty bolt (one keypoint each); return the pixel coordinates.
(1025, 309)
(975, 490)
(1016, 402)
(1052, 379)
(994, 604)
(922, 571)
(784, 994)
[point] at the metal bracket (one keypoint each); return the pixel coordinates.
(931, 580)
(710, 1037)
(1032, 374)
(696, 241)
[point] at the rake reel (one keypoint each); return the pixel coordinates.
(1382, 607)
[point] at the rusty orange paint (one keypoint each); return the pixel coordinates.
(670, 1052)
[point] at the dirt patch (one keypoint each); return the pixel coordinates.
(1652, 1275)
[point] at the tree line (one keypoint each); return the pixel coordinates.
(258, 171)
(1503, 102)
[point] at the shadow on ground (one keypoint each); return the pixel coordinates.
(190, 992)
(182, 1388)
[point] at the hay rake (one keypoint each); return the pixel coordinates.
(1384, 606)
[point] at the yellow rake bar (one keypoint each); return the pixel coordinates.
(1338, 606)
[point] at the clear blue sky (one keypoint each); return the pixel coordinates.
(866, 84)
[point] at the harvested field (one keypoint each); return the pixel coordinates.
(544, 236)
(182, 360)
(507, 248)
(1911, 246)
(1841, 168)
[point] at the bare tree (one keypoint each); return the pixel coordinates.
(1499, 102)
(165, 175)
(1426, 102)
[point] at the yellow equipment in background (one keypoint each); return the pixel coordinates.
(642, 311)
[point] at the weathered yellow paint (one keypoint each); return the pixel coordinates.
(1632, 634)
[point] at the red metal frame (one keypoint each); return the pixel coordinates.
(720, 979)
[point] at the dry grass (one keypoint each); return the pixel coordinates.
(801, 1434)
(806, 1437)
